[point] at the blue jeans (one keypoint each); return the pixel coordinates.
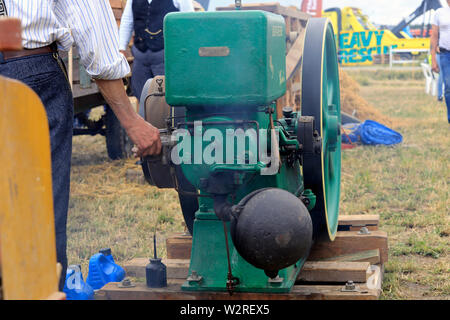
(146, 65)
(445, 69)
(45, 76)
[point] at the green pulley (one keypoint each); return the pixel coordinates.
(321, 99)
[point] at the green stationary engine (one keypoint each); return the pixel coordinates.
(255, 189)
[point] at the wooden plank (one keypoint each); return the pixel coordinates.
(136, 267)
(270, 6)
(273, 7)
(334, 271)
(347, 242)
(356, 222)
(312, 271)
(290, 12)
(287, 32)
(294, 56)
(297, 88)
(179, 247)
(359, 219)
(372, 256)
(173, 292)
(176, 268)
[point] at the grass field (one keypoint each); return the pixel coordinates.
(407, 185)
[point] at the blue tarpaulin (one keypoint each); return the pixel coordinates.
(370, 133)
(351, 133)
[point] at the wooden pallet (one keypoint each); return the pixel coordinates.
(354, 256)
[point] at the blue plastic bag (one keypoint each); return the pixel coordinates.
(370, 133)
(374, 133)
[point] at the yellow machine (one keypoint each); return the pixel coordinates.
(359, 40)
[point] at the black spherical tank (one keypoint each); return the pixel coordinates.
(272, 229)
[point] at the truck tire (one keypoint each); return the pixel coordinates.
(118, 143)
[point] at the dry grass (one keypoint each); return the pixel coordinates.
(352, 103)
(107, 211)
(407, 185)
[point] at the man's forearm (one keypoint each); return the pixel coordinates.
(114, 93)
(434, 41)
(144, 135)
(433, 55)
(433, 47)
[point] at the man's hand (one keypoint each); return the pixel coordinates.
(145, 137)
(143, 134)
(435, 66)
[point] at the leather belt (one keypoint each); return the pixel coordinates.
(27, 52)
(443, 50)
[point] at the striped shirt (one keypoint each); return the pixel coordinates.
(89, 24)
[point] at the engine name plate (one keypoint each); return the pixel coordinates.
(214, 51)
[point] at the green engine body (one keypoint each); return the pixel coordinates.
(224, 58)
(226, 70)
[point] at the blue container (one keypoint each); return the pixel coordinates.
(75, 288)
(103, 269)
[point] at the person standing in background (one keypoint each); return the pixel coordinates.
(440, 44)
(145, 18)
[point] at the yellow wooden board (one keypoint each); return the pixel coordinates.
(27, 231)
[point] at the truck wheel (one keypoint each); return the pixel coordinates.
(118, 143)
